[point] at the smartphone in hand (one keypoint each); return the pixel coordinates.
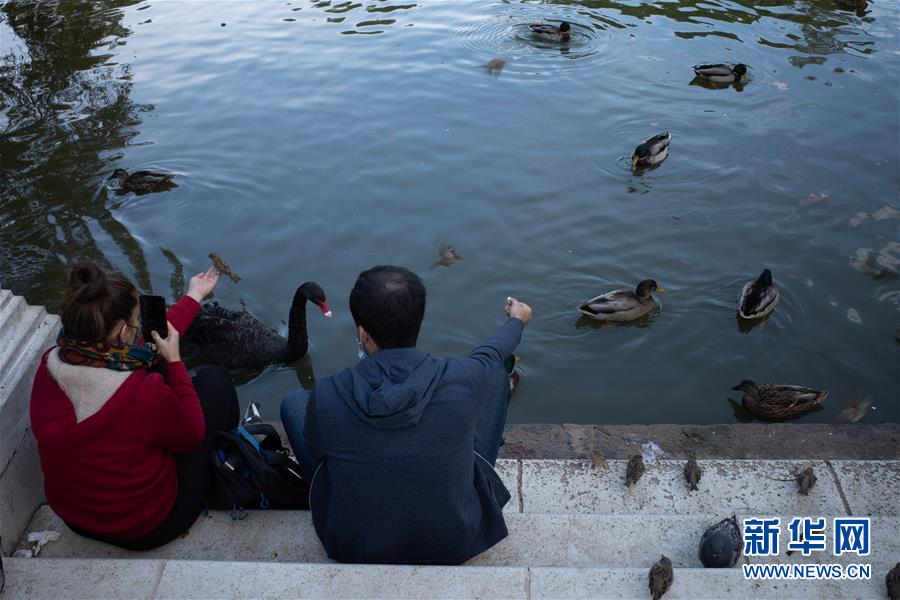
(153, 316)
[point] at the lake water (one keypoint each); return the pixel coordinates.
(312, 140)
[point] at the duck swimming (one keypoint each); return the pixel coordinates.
(721, 72)
(777, 402)
(140, 181)
(758, 298)
(622, 305)
(551, 33)
(651, 151)
(238, 339)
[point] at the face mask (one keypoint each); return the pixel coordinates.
(360, 353)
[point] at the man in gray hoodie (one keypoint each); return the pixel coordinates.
(400, 449)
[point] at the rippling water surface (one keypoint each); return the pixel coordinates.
(311, 140)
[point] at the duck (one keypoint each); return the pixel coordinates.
(758, 298)
(621, 305)
(652, 151)
(551, 33)
(721, 544)
(777, 402)
(237, 339)
(721, 72)
(140, 181)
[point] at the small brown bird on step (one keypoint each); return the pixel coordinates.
(692, 474)
(806, 479)
(634, 470)
(661, 576)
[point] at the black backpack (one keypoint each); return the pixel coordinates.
(251, 469)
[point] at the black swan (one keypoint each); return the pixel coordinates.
(237, 339)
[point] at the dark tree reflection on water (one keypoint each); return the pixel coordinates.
(820, 21)
(65, 114)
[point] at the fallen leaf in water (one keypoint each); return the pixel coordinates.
(779, 85)
(817, 197)
(883, 263)
(884, 212)
(853, 316)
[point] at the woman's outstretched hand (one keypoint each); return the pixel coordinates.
(168, 347)
(202, 284)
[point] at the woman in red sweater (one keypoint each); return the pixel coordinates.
(123, 433)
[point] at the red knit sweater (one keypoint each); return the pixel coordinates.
(114, 472)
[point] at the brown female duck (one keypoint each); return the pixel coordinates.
(140, 181)
(777, 402)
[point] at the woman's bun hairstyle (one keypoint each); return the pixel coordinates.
(95, 302)
(87, 283)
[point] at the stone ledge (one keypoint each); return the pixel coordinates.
(110, 578)
(758, 441)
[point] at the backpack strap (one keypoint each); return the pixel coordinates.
(270, 438)
(241, 432)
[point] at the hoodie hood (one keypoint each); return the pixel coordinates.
(390, 388)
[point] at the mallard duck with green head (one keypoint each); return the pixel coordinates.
(551, 33)
(721, 72)
(651, 151)
(621, 305)
(140, 181)
(778, 402)
(758, 298)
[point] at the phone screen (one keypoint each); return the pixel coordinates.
(153, 316)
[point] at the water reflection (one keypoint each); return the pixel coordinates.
(821, 21)
(737, 85)
(65, 111)
(743, 415)
(370, 26)
(306, 375)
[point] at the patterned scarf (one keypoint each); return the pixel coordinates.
(96, 353)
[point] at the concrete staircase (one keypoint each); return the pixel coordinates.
(575, 532)
(25, 333)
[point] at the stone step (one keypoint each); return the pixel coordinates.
(10, 313)
(20, 350)
(534, 540)
(148, 578)
(5, 297)
(16, 340)
(748, 487)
